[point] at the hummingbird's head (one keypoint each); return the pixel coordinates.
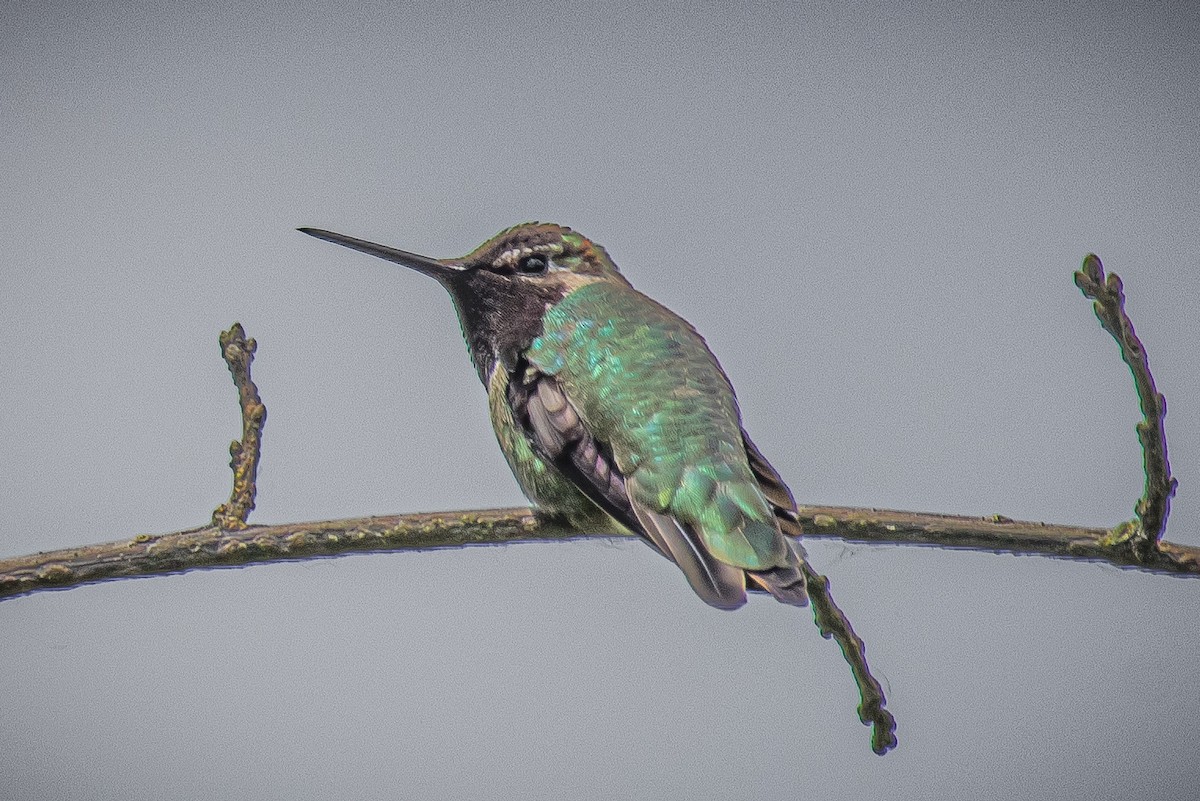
(503, 288)
(541, 249)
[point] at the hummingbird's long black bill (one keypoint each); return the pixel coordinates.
(422, 264)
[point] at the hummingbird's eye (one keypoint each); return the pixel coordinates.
(533, 264)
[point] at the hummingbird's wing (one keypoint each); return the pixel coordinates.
(775, 491)
(559, 436)
(787, 583)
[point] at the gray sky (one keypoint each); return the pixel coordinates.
(871, 211)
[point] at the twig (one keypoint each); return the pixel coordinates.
(831, 622)
(1153, 508)
(238, 353)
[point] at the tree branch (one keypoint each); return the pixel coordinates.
(214, 547)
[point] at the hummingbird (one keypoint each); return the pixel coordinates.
(611, 409)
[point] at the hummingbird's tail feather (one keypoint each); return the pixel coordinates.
(718, 584)
(787, 584)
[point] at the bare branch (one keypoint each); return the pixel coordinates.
(213, 547)
(238, 353)
(995, 533)
(832, 623)
(1154, 506)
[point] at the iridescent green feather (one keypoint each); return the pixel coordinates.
(647, 386)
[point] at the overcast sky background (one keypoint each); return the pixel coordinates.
(872, 211)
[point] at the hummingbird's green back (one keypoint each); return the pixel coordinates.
(645, 383)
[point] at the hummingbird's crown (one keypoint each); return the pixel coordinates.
(569, 248)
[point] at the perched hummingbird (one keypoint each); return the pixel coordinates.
(610, 407)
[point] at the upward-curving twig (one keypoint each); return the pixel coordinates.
(238, 353)
(1142, 536)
